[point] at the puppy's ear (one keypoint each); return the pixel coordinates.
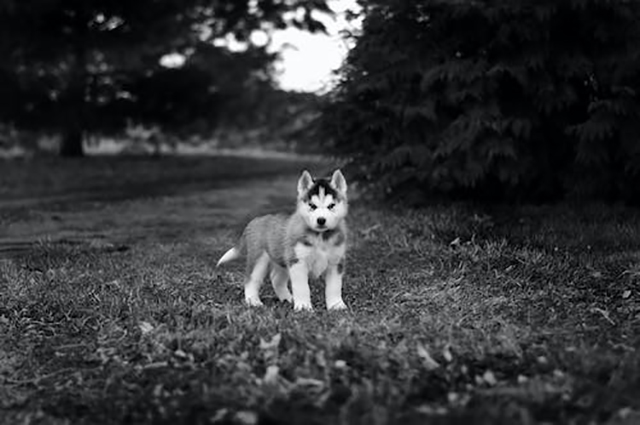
(338, 182)
(304, 183)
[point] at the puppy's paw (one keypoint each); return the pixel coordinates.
(253, 302)
(302, 306)
(338, 305)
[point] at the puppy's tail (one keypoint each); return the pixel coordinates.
(230, 255)
(233, 254)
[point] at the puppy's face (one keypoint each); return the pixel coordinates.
(322, 202)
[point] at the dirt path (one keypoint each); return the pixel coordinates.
(117, 218)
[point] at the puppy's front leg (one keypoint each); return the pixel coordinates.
(333, 287)
(299, 274)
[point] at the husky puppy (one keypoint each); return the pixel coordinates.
(310, 242)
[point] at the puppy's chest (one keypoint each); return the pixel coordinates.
(318, 254)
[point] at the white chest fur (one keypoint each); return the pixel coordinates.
(319, 255)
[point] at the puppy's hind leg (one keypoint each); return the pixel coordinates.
(279, 279)
(253, 284)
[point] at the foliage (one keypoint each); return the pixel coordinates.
(215, 86)
(281, 120)
(73, 66)
(494, 99)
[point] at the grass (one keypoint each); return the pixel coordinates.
(458, 314)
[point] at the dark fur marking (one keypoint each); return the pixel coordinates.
(337, 235)
(315, 189)
(341, 267)
(328, 234)
(293, 261)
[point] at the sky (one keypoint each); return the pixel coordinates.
(308, 60)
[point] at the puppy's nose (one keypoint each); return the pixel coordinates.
(321, 221)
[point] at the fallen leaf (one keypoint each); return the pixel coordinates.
(626, 294)
(446, 353)
(272, 344)
(270, 348)
(309, 382)
(155, 365)
(246, 417)
(320, 359)
(145, 327)
(429, 362)
(340, 364)
(219, 416)
(425, 409)
(626, 416)
(157, 390)
(489, 378)
(271, 375)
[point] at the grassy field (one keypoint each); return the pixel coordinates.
(111, 310)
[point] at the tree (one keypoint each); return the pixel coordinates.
(67, 61)
(208, 90)
(514, 99)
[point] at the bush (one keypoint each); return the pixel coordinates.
(518, 99)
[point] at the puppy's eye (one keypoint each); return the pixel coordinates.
(331, 206)
(313, 207)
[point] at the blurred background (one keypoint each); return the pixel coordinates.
(488, 100)
(164, 77)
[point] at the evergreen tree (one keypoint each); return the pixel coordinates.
(515, 99)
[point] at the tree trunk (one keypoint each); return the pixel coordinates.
(71, 145)
(75, 105)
